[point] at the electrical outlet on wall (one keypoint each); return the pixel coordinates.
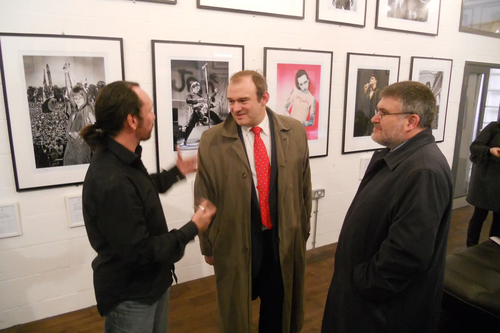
(319, 193)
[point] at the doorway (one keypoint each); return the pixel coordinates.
(479, 105)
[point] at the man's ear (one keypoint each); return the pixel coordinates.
(132, 121)
(413, 121)
(265, 98)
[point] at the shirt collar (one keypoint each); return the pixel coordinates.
(123, 153)
(264, 125)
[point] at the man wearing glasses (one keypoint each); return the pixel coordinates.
(389, 262)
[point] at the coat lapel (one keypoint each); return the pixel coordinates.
(230, 131)
(281, 134)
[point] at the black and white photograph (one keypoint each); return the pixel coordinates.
(414, 10)
(436, 74)
(189, 87)
(61, 93)
(366, 76)
(199, 90)
(50, 87)
(343, 12)
(414, 16)
(344, 4)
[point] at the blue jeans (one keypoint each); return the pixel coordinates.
(135, 317)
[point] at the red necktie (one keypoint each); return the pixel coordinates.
(263, 169)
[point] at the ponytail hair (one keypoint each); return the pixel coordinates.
(113, 104)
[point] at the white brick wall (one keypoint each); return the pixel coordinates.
(46, 271)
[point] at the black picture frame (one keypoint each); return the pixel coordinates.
(293, 10)
(176, 66)
(37, 73)
(411, 16)
(342, 12)
(436, 73)
(366, 76)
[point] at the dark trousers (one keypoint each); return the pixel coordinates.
(476, 224)
(269, 287)
(195, 118)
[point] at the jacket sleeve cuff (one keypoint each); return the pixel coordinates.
(177, 173)
(190, 230)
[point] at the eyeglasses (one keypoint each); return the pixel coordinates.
(381, 114)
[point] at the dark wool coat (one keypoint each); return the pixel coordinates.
(225, 178)
(484, 189)
(389, 263)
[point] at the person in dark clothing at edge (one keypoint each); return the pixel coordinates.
(390, 257)
(123, 215)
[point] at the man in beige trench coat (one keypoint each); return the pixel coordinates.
(254, 254)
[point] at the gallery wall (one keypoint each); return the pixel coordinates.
(46, 271)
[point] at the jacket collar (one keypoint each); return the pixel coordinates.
(230, 127)
(399, 155)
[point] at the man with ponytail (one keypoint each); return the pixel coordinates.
(125, 223)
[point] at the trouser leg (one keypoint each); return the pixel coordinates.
(130, 317)
(495, 225)
(192, 123)
(270, 289)
(161, 314)
(215, 118)
(475, 226)
(136, 317)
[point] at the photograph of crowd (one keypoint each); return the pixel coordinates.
(61, 93)
(199, 90)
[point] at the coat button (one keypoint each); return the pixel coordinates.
(244, 175)
(245, 248)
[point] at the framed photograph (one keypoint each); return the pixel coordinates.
(413, 16)
(50, 84)
(343, 12)
(74, 211)
(299, 85)
(366, 76)
(170, 2)
(190, 88)
(284, 8)
(10, 225)
(436, 74)
(480, 17)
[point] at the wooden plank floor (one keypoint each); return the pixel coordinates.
(192, 304)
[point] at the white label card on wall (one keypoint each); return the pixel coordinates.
(75, 213)
(9, 221)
